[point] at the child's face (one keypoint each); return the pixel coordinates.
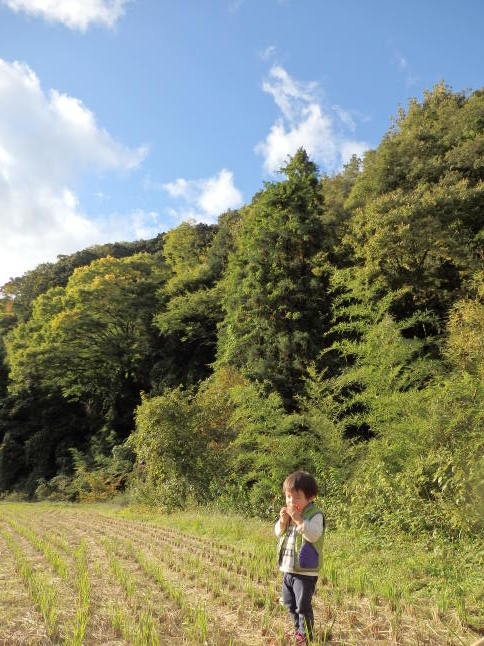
(297, 498)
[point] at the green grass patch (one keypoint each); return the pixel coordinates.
(428, 571)
(441, 580)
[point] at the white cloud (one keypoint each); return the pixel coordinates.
(183, 188)
(268, 52)
(48, 140)
(205, 199)
(349, 148)
(143, 224)
(75, 14)
(291, 96)
(305, 122)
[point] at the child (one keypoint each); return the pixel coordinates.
(300, 530)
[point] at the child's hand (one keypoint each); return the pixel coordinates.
(294, 512)
(283, 517)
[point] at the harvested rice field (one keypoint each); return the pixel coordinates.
(73, 575)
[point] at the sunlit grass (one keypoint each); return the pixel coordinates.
(42, 591)
(201, 567)
(399, 569)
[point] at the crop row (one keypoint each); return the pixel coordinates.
(168, 565)
(137, 629)
(226, 587)
(42, 591)
(139, 583)
(230, 574)
(193, 616)
(228, 578)
(256, 564)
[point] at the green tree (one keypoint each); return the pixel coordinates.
(370, 355)
(93, 338)
(465, 343)
(23, 290)
(443, 132)
(7, 322)
(336, 190)
(419, 200)
(275, 299)
(190, 302)
(39, 428)
(177, 452)
(424, 240)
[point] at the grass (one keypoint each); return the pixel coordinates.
(43, 593)
(200, 577)
(395, 569)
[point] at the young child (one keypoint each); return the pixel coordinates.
(300, 530)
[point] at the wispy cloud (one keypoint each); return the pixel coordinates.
(75, 14)
(305, 121)
(268, 53)
(203, 199)
(345, 116)
(48, 141)
(402, 62)
(141, 224)
(404, 67)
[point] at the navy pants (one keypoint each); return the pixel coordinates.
(297, 594)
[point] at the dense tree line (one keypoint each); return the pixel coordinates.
(335, 323)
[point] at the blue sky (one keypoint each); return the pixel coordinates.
(120, 119)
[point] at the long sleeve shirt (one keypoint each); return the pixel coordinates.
(311, 530)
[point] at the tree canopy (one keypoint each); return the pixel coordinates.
(333, 323)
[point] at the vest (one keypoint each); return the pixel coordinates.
(307, 556)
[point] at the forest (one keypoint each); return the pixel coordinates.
(335, 323)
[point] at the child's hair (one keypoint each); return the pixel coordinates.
(301, 481)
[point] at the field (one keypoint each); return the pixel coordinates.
(75, 575)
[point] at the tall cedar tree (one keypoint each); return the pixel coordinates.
(275, 298)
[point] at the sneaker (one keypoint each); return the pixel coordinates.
(300, 639)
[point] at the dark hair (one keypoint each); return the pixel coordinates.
(301, 481)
